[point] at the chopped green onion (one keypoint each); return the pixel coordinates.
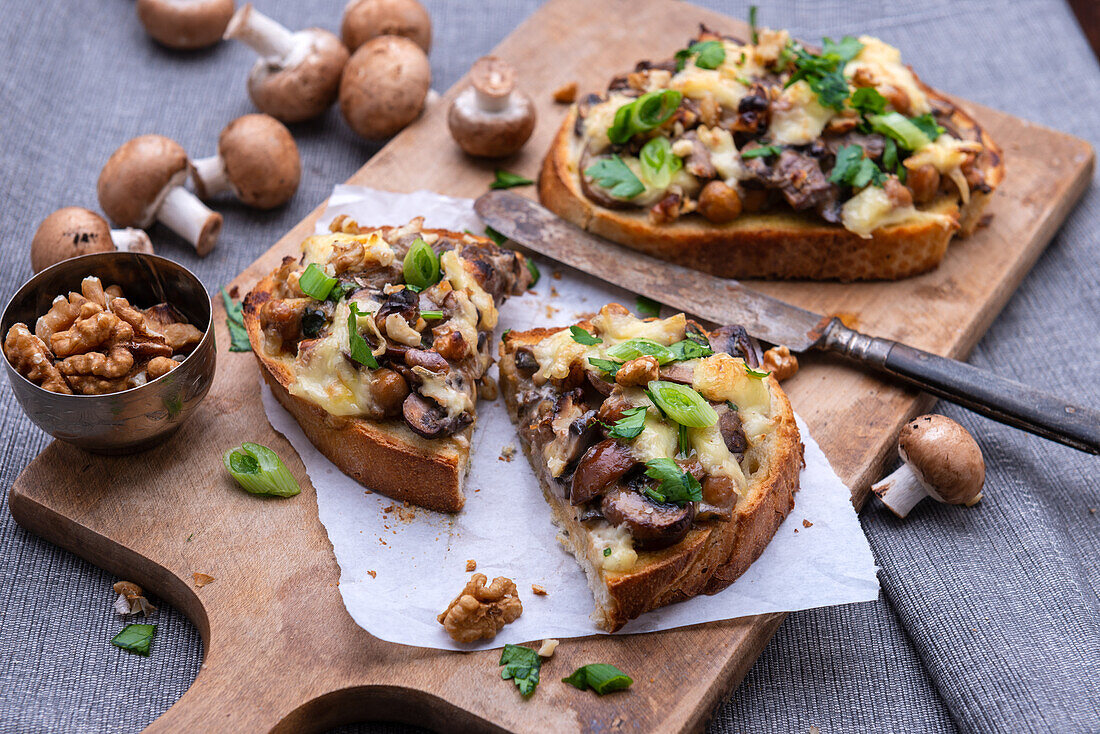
(641, 347)
(675, 485)
(507, 179)
(764, 151)
(533, 269)
(581, 336)
(752, 25)
(521, 664)
(360, 350)
(259, 470)
(431, 315)
(421, 265)
(682, 404)
(928, 125)
(606, 552)
(647, 307)
(901, 129)
(630, 425)
(495, 236)
(643, 114)
(315, 283)
(135, 638)
(658, 162)
(682, 440)
(600, 677)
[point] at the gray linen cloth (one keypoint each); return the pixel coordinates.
(989, 618)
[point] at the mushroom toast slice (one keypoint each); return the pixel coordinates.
(774, 159)
(376, 341)
(667, 456)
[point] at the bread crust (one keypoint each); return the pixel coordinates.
(778, 245)
(384, 456)
(713, 554)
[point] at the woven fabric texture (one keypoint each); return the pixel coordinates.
(990, 619)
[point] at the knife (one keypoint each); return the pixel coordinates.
(726, 301)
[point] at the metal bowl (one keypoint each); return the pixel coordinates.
(134, 419)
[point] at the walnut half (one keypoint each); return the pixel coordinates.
(481, 611)
(780, 362)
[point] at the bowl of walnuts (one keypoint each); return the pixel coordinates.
(110, 352)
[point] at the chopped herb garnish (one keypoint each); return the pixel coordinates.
(890, 155)
(855, 170)
(643, 114)
(682, 440)
(708, 55)
(495, 236)
(675, 486)
(606, 552)
(234, 322)
(926, 123)
(360, 350)
(338, 291)
(605, 365)
(421, 265)
(690, 349)
(533, 269)
(507, 179)
(521, 664)
(414, 288)
(731, 405)
(600, 677)
(135, 638)
(315, 283)
(192, 535)
(901, 129)
(825, 72)
(640, 347)
(752, 25)
(682, 404)
(581, 336)
(431, 315)
(763, 151)
(615, 177)
(259, 470)
(868, 101)
(630, 425)
(760, 375)
(647, 307)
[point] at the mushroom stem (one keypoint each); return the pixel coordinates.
(265, 36)
(901, 491)
(210, 176)
(183, 213)
(131, 240)
(491, 102)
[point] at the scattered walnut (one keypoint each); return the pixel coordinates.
(30, 357)
(547, 648)
(481, 611)
(807, 524)
(160, 366)
(537, 590)
(566, 94)
(202, 579)
(780, 362)
(85, 334)
(471, 565)
(638, 372)
(131, 599)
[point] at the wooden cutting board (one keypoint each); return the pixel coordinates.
(282, 653)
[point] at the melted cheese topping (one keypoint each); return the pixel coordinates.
(723, 153)
(322, 248)
(715, 457)
(721, 377)
(657, 440)
(328, 379)
(462, 279)
(555, 354)
(883, 62)
(719, 84)
(440, 388)
(621, 543)
(797, 117)
(614, 326)
(946, 154)
(872, 209)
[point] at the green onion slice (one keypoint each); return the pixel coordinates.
(135, 638)
(600, 677)
(641, 347)
(315, 284)
(682, 404)
(431, 315)
(658, 162)
(421, 265)
(357, 345)
(259, 470)
(643, 114)
(898, 127)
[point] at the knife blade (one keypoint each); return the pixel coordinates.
(725, 301)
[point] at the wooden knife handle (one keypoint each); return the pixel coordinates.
(983, 392)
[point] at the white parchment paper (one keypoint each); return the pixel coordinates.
(400, 566)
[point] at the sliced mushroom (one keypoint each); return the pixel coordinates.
(297, 75)
(384, 86)
(367, 19)
(428, 419)
(257, 161)
(736, 342)
(599, 468)
(73, 231)
(652, 525)
(142, 181)
(402, 302)
(525, 361)
(491, 118)
(678, 372)
(733, 434)
(431, 361)
(185, 24)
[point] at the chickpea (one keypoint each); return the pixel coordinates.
(389, 390)
(898, 194)
(924, 182)
(719, 203)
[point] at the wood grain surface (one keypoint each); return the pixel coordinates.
(282, 654)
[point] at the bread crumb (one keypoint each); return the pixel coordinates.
(235, 292)
(406, 513)
(547, 648)
(566, 94)
(554, 292)
(538, 590)
(556, 275)
(372, 574)
(507, 453)
(202, 579)
(550, 311)
(367, 491)
(807, 524)
(471, 565)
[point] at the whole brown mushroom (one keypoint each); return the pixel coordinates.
(941, 461)
(143, 180)
(72, 231)
(490, 118)
(384, 86)
(257, 161)
(367, 19)
(298, 74)
(185, 24)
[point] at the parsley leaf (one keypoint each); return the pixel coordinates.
(690, 349)
(855, 170)
(507, 180)
(615, 177)
(708, 55)
(605, 365)
(843, 52)
(495, 236)
(927, 125)
(675, 485)
(521, 664)
(136, 638)
(647, 307)
(867, 101)
(890, 155)
(533, 269)
(825, 72)
(630, 425)
(600, 677)
(357, 345)
(762, 151)
(581, 336)
(234, 322)
(758, 374)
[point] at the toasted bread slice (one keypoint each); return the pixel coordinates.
(712, 554)
(779, 242)
(381, 451)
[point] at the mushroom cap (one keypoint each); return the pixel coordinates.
(944, 457)
(305, 89)
(491, 133)
(137, 177)
(69, 232)
(367, 19)
(261, 160)
(185, 24)
(384, 86)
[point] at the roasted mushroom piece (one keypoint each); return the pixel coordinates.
(429, 420)
(653, 525)
(600, 467)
